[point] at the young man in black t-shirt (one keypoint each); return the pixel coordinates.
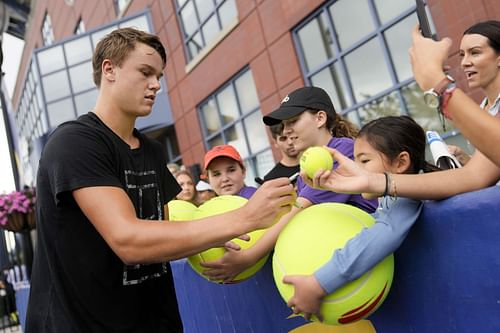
(289, 163)
(103, 247)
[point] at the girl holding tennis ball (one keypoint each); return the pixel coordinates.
(307, 113)
(390, 145)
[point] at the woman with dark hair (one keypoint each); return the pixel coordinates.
(480, 52)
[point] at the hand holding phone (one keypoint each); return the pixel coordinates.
(425, 27)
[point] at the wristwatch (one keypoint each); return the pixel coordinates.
(433, 96)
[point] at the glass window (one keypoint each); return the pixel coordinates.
(81, 77)
(330, 79)
(366, 79)
(388, 105)
(237, 105)
(98, 35)
(202, 21)
(51, 59)
(389, 9)
(247, 93)
(85, 102)
(227, 12)
(259, 140)
(80, 27)
(140, 23)
(205, 8)
(347, 15)
(210, 29)
(399, 44)
(316, 50)
(78, 50)
(210, 117)
(60, 112)
(365, 67)
(228, 107)
(121, 5)
(47, 32)
(56, 86)
(235, 137)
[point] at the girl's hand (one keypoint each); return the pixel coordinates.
(307, 297)
(228, 267)
(348, 177)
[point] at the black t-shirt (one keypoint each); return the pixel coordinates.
(281, 170)
(78, 283)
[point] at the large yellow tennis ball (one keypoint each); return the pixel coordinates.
(181, 210)
(314, 159)
(219, 205)
(309, 241)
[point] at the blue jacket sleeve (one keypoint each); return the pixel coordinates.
(393, 220)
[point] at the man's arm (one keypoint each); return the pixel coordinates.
(142, 241)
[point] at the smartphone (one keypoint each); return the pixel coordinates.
(425, 28)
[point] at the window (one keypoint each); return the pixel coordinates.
(47, 32)
(232, 116)
(364, 67)
(120, 6)
(80, 27)
(202, 21)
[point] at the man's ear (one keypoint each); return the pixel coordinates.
(108, 70)
(403, 162)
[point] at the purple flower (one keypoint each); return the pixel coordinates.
(17, 202)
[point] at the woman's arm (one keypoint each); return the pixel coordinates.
(479, 173)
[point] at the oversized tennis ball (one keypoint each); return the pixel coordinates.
(314, 159)
(309, 241)
(181, 210)
(219, 205)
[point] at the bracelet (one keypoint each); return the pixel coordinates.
(386, 184)
(445, 100)
(394, 189)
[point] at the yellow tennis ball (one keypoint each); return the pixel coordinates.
(181, 210)
(309, 241)
(219, 205)
(314, 159)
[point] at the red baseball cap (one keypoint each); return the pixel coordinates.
(222, 151)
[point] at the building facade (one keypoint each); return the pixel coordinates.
(232, 61)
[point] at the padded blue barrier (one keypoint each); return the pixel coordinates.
(447, 274)
(447, 279)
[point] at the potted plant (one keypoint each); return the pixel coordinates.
(17, 210)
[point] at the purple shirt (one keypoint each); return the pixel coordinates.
(246, 192)
(346, 147)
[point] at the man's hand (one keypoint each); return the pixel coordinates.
(307, 297)
(271, 201)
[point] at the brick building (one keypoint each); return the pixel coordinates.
(230, 62)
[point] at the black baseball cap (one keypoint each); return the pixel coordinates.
(297, 102)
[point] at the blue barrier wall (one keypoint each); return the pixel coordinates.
(447, 279)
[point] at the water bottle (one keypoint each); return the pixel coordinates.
(440, 153)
